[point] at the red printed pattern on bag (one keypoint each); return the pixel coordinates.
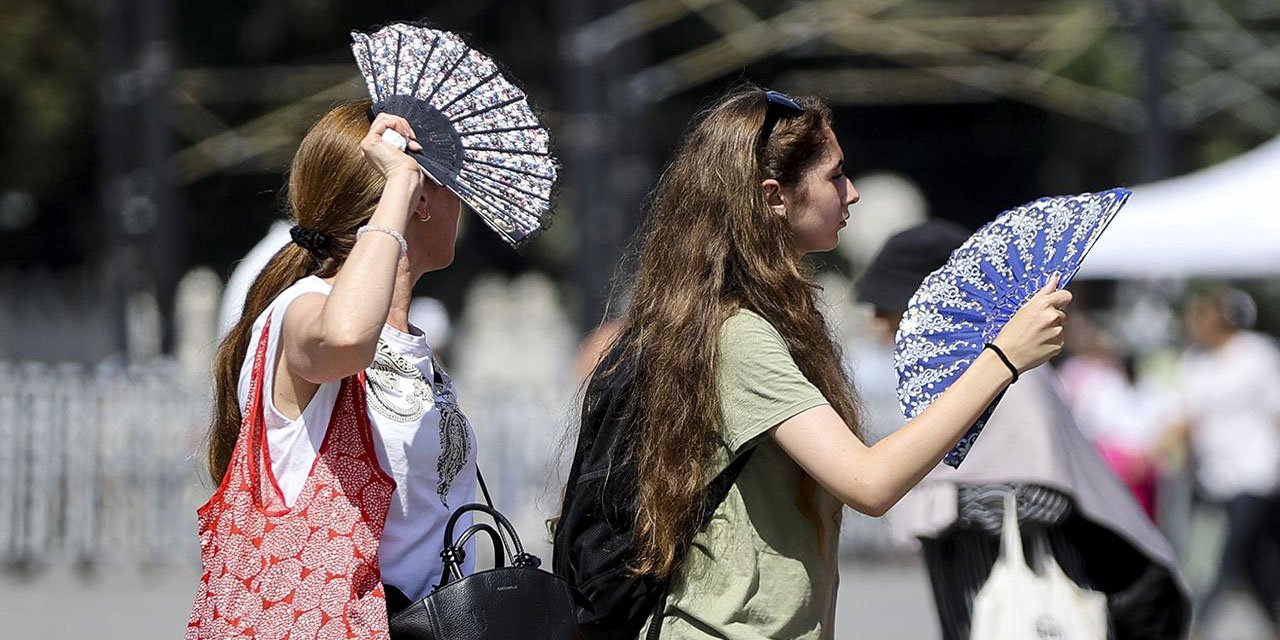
(301, 573)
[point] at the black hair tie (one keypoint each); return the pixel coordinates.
(315, 242)
(1008, 363)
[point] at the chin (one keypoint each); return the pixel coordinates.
(445, 260)
(829, 245)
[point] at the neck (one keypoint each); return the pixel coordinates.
(401, 297)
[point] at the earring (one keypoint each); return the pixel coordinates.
(424, 218)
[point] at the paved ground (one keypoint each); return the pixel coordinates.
(878, 601)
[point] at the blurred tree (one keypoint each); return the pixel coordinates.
(984, 102)
(47, 141)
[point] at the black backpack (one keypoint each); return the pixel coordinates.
(593, 546)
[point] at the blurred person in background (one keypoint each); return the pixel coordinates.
(426, 313)
(1095, 529)
(596, 344)
(1230, 392)
(329, 310)
(1124, 423)
(246, 271)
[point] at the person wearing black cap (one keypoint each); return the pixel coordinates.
(1095, 529)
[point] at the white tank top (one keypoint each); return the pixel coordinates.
(421, 438)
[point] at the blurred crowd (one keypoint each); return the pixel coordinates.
(1178, 393)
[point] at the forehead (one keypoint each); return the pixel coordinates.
(832, 153)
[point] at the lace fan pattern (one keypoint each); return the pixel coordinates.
(480, 137)
(963, 305)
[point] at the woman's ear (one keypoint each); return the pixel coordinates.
(438, 198)
(773, 196)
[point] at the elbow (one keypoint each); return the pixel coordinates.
(350, 354)
(876, 508)
(337, 355)
(872, 501)
(875, 511)
(350, 339)
(349, 342)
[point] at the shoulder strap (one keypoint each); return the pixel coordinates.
(248, 456)
(484, 489)
(719, 487)
(717, 491)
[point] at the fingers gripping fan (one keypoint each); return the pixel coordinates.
(964, 305)
(480, 138)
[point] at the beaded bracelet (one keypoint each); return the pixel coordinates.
(404, 246)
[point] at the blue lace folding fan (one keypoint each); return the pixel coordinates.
(480, 138)
(963, 305)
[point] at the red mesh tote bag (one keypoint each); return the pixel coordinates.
(301, 572)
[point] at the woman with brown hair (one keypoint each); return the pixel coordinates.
(725, 352)
(329, 308)
(340, 452)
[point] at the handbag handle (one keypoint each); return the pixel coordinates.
(1010, 535)
(454, 552)
(453, 556)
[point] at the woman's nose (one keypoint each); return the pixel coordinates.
(853, 193)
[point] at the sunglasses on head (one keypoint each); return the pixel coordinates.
(777, 105)
(778, 99)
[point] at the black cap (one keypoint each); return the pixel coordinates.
(904, 261)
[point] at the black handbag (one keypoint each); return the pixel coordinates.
(502, 603)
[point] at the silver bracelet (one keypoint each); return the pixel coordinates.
(404, 246)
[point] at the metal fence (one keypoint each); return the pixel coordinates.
(104, 466)
(96, 465)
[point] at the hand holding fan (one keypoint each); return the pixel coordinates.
(964, 305)
(480, 138)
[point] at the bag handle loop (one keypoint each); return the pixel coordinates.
(503, 534)
(454, 556)
(1010, 535)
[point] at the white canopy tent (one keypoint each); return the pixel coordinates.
(1223, 221)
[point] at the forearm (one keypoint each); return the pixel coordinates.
(901, 460)
(356, 309)
(872, 479)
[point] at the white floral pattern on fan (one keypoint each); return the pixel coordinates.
(507, 173)
(963, 305)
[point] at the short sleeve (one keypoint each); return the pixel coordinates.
(759, 384)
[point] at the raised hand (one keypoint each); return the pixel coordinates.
(1034, 334)
(383, 156)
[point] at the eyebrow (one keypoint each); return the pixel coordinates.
(839, 164)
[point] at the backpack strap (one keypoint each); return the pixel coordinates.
(717, 491)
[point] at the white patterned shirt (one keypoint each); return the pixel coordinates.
(421, 438)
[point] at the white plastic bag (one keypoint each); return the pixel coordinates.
(1017, 604)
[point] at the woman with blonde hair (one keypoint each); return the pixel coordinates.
(724, 354)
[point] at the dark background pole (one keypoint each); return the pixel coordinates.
(166, 239)
(604, 155)
(141, 249)
(1154, 146)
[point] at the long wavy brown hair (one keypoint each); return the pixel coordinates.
(332, 189)
(713, 246)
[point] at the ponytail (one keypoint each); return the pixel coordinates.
(290, 264)
(332, 192)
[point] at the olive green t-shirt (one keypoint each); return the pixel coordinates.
(758, 571)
